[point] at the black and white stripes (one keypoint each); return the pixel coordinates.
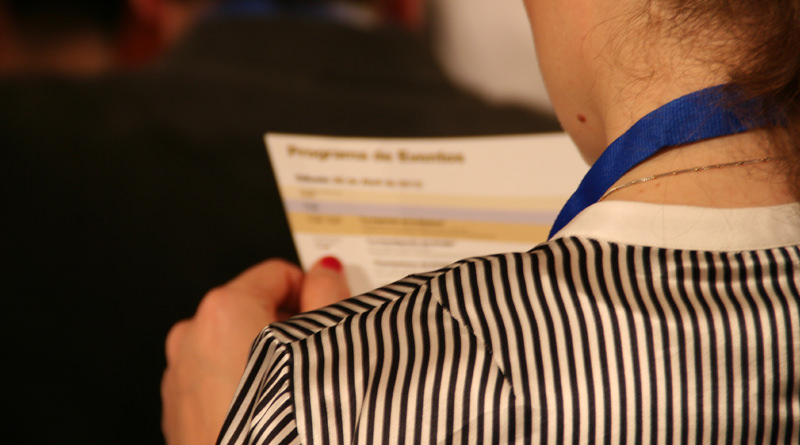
(576, 341)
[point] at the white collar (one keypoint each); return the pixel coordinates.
(687, 227)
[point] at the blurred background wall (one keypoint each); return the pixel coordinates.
(487, 47)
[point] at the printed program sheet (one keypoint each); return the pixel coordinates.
(391, 207)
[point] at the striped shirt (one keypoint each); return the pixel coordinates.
(582, 339)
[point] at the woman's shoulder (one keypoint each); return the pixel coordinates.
(482, 293)
(472, 277)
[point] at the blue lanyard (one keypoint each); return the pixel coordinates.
(695, 117)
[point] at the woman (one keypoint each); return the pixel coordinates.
(664, 308)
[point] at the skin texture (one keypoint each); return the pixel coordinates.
(560, 34)
(604, 70)
(206, 354)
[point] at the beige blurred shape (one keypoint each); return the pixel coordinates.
(486, 46)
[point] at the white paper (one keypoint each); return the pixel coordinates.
(391, 207)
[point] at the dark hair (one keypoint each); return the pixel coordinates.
(765, 38)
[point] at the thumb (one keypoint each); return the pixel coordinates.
(323, 285)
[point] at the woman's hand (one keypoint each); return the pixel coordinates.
(207, 354)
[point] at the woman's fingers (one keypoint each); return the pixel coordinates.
(323, 285)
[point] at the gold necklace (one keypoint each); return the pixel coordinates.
(687, 170)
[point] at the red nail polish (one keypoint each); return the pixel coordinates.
(330, 262)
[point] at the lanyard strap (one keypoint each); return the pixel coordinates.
(695, 117)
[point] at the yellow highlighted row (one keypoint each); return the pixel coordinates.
(417, 227)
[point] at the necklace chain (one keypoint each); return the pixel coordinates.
(687, 170)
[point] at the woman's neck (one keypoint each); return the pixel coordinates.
(718, 183)
(626, 96)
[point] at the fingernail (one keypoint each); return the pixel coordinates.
(330, 262)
